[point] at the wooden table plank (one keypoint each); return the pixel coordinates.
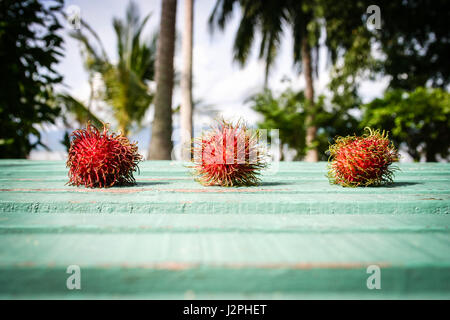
(176, 201)
(159, 222)
(40, 187)
(295, 236)
(225, 262)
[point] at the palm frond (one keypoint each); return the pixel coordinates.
(125, 87)
(77, 109)
(222, 12)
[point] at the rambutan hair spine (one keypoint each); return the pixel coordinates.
(229, 154)
(365, 160)
(100, 159)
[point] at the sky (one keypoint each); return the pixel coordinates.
(218, 82)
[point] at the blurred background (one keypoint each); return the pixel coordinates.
(160, 71)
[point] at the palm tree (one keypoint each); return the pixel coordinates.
(268, 18)
(161, 142)
(125, 87)
(346, 37)
(186, 82)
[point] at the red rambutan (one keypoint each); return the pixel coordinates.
(362, 161)
(101, 159)
(229, 155)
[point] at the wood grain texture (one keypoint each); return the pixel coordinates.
(294, 236)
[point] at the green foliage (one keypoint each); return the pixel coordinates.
(29, 49)
(415, 36)
(125, 81)
(419, 119)
(286, 112)
(413, 44)
(350, 44)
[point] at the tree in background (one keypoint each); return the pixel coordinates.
(29, 49)
(350, 44)
(284, 112)
(161, 139)
(412, 46)
(287, 112)
(186, 82)
(307, 19)
(268, 18)
(125, 82)
(418, 120)
(415, 37)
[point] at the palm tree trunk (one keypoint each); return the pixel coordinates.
(161, 142)
(266, 77)
(186, 82)
(311, 129)
(430, 155)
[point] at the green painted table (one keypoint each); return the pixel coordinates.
(295, 236)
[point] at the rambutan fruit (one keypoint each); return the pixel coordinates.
(362, 161)
(99, 159)
(229, 154)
